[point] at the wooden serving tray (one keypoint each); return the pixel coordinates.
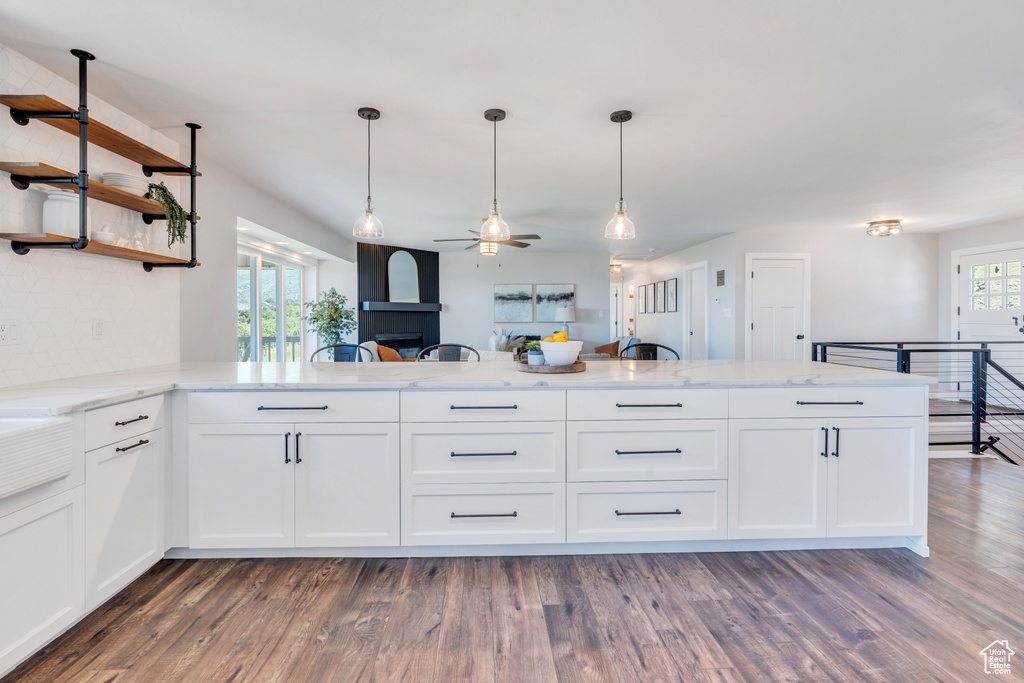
(578, 366)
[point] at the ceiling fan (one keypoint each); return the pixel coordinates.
(511, 242)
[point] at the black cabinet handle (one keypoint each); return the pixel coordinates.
(825, 453)
(142, 442)
(618, 452)
(292, 408)
(128, 422)
(481, 455)
(830, 403)
(286, 438)
(297, 458)
(511, 407)
(499, 514)
(677, 511)
(648, 405)
(836, 451)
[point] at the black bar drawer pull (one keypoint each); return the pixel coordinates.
(836, 451)
(677, 511)
(648, 405)
(481, 455)
(498, 514)
(286, 458)
(830, 403)
(618, 452)
(142, 442)
(825, 453)
(511, 407)
(297, 458)
(292, 408)
(128, 422)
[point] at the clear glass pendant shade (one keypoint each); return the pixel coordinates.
(368, 226)
(620, 227)
(495, 229)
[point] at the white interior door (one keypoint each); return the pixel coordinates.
(615, 306)
(778, 313)
(695, 332)
(989, 303)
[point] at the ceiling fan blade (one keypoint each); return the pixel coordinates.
(472, 246)
(460, 239)
(513, 243)
(475, 232)
(524, 237)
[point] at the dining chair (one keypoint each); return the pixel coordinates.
(346, 353)
(645, 351)
(447, 352)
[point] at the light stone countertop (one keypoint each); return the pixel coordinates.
(59, 397)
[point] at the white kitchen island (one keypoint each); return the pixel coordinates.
(402, 459)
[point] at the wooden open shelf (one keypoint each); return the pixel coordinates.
(99, 134)
(95, 248)
(99, 191)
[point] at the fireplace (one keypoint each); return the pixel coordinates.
(408, 344)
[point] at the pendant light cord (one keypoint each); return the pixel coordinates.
(495, 160)
(368, 158)
(620, 161)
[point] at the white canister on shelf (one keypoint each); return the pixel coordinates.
(60, 214)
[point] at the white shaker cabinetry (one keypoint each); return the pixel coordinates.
(279, 483)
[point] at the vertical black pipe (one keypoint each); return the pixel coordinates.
(83, 148)
(979, 397)
(192, 177)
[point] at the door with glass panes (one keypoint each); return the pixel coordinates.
(990, 307)
(274, 292)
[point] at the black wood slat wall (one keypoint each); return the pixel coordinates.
(372, 267)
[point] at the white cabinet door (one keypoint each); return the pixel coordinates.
(777, 478)
(876, 479)
(241, 480)
(41, 574)
(347, 485)
(124, 498)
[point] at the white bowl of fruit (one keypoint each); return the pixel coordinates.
(559, 350)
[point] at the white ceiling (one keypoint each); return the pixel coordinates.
(748, 115)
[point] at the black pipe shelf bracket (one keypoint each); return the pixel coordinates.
(81, 180)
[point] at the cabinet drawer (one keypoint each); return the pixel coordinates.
(482, 406)
(486, 514)
(104, 426)
(647, 404)
(647, 450)
(662, 511)
(494, 452)
(828, 402)
(292, 406)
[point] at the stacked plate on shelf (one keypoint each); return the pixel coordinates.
(135, 184)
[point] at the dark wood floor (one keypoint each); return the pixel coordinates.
(871, 615)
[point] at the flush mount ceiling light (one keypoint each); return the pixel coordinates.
(620, 227)
(884, 228)
(616, 267)
(488, 248)
(494, 229)
(368, 226)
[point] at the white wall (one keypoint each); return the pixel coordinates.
(667, 328)
(467, 293)
(1001, 232)
(862, 288)
(208, 293)
(54, 296)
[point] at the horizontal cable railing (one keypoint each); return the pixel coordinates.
(978, 383)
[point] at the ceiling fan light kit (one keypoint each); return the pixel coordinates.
(488, 248)
(495, 229)
(620, 227)
(368, 226)
(886, 228)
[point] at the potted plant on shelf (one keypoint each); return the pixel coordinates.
(177, 219)
(329, 317)
(534, 356)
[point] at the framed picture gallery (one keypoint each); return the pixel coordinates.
(650, 298)
(641, 299)
(671, 295)
(659, 297)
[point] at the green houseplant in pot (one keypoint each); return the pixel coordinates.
(534, 356)
(329, 317)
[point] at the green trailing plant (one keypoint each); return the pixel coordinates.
(177, 219)
(329, 318)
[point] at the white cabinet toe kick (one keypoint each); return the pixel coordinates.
(501, 471)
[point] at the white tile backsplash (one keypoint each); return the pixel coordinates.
(55, 296)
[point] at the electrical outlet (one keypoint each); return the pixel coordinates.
(98, 330)
(8, 332)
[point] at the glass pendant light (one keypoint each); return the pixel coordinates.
(884, 228)
(495, 229)
(368, 226)
(620, 227)
(488, 248)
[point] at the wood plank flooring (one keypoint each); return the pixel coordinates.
(849, 615)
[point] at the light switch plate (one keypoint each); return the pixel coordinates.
(98, 329)
(8, 332)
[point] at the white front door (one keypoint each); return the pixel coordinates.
(695, 331)
(989, 300)
(778, 308)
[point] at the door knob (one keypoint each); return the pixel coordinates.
(799, 336)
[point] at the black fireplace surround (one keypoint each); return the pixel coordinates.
(422, 328)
